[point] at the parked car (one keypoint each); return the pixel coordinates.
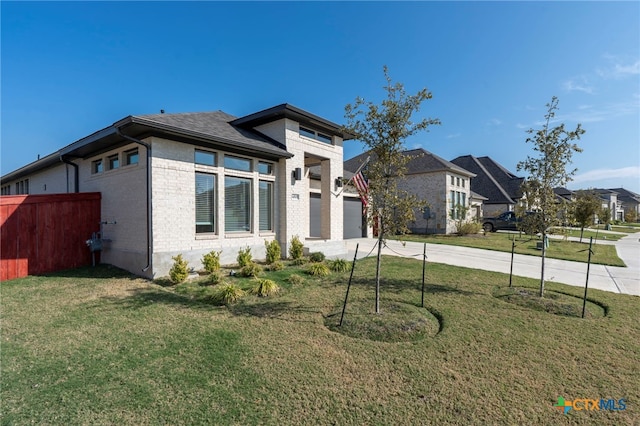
(506, 221)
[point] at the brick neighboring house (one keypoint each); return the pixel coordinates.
(500, 187)
(194, 182)
(440, 183)
(630, 203)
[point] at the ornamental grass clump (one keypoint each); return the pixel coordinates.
(180, 270)
(318, 270)
(339, 265)
(295, 279)
(211, 261)
(227, 294)
(251, 269)
(276, 266)
(264, 287)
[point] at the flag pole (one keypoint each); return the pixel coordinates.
(351, 178)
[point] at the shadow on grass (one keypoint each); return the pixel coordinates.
(398, 286)
(271, 309)
(102, 271)
(142, 298)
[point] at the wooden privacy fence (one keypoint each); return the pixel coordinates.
(46, 233)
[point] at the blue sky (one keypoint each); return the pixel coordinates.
(69, 69)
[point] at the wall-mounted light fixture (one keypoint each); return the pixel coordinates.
(297, 173)
(339, 182)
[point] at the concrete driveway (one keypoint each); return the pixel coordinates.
(608, 278)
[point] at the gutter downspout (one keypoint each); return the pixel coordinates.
(76, 177)
(148, 149)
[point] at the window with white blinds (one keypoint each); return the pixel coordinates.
(205, 203)
(266, 206)
(237, 204)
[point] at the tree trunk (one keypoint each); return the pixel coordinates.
(544, 252)
(380, 232)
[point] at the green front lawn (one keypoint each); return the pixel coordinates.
(98, 346)
(502, 241)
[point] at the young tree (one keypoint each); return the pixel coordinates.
(548, 169)
(585, 208)
(383, 129)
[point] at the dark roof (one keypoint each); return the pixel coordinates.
(208, 129)
(289, 111)
(625, 195)
(499, 185)
(423, 161)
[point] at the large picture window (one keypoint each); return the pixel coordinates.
(237, 204)
(205, 203)
(266, 206)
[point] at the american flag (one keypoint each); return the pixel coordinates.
(363, 189)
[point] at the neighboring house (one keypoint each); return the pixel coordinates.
(500, 187)
(630, 203)
(195, 182)
(442, 184)
(610, 200)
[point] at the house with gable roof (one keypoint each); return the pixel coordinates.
(440, 183)
(500, 187)
(190, 183)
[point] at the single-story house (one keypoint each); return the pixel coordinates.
(442, 184)
(191, 183)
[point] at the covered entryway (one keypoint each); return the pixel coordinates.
(315, 215)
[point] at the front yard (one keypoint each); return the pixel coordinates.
(98, 346)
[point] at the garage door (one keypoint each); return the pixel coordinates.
(352, 218)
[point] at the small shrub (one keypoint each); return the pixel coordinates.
(339, 265)
(211, 261)
(317, 256)
(299, 261)
(295, 248)
(318, 270)
(295, 279)
(265, 287)
(180, 270)
(226, 294)
(469, 228)
(273, 251)
(213, 278)
(276, 266)
(244, 257)
(251, 270)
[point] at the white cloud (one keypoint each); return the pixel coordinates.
(580, 84)
(618, 68)
(494, 122)
(454, 135)
(601, 174)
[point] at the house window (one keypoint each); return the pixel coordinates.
(237, 204)
(463, 182)
(453, 180)
(131, 157)
(113, 162)
(265, 168)
(96, 166)
(237, 163)
(457, 181)
(266, 206)
(205, 203)
(22, 187)
(321, 137)
(205, 157)
(6, 190)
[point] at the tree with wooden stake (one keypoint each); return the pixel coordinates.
(548, 170)
(383, 129)
(585, 208)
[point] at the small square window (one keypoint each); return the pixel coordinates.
(96, 167)
(113, 162)
(205, 157)
(131, 157)
(265, 168)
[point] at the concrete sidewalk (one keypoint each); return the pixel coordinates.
(608, 278)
